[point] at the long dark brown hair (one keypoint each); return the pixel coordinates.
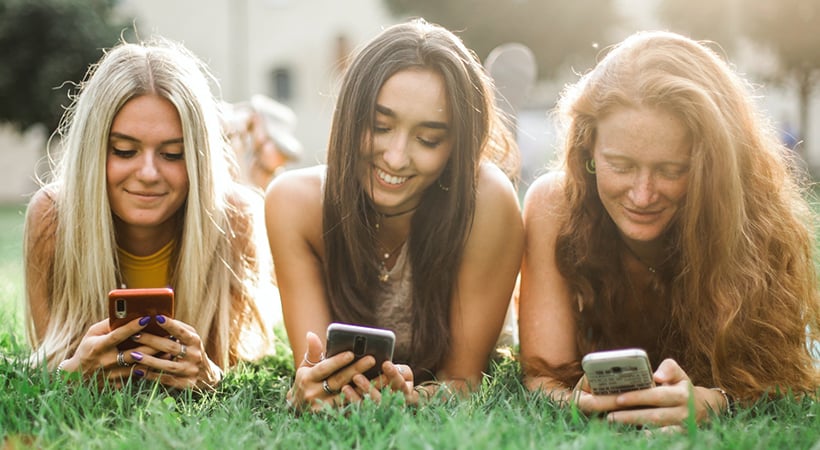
(442, 222)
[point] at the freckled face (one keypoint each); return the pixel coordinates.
(146, 176)
(411, 139)
(642, 170)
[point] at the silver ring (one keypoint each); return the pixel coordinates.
(310, 363)
(121, 360)
(327, 389)
(183, 350)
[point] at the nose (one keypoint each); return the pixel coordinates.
(395, 154)
(643, 191)
(148, 170)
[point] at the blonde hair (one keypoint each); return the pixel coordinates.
(740, 281)
(216, 268)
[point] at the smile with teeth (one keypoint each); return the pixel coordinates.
(390, 179)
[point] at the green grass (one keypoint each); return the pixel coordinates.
(248, 410)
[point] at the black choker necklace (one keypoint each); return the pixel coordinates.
(400, 213)
(380, 215)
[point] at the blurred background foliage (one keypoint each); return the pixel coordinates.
(45, 45)
(559, 32)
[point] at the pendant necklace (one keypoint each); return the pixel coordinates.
(649, 267)
(384, 274)
(380, 216)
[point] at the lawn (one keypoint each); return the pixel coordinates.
(38, 410)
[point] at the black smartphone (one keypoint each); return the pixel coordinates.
(616, 371)
(362, 341)
(125, 305)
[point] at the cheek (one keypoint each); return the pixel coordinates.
(609, 186)
(675, 191)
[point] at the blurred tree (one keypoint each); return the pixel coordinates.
(558, 32)
(714, 20)
(45, 46)
(789, 28)
(786, 27)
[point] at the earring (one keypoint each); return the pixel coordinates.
(590, 165)
(441, 186)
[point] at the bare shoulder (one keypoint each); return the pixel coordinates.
(42, 209)
(545, 197)
(494, 187)
(293, 204)
(299, 186)
(497, 213)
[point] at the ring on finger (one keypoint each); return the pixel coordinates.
(121, 360)
(310, 363)
(183, 350)
(327, 389)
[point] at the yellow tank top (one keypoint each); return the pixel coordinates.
(146, 271)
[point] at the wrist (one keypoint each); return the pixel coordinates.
(729, 409)
(61, 370)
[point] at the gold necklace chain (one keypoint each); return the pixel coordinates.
(384, 274)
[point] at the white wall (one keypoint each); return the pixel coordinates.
(243, 40)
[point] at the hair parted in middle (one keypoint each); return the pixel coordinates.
(215, 267)
(740, 248)
(441, 224)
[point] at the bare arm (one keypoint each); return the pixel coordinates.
(547, 324)
(293, 215)
(486, 279)
(39, 258)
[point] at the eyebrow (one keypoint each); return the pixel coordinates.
(429, 124)
(126, 137)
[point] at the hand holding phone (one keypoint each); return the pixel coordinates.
(616, 371)
(362, 341)
(125, 305)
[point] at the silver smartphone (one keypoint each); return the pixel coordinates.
(616, 371)
(362, 341)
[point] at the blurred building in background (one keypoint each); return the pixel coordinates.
(295, 50)
(289, 50)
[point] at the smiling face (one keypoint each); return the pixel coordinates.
(642, 170)
(411, 138)
(146, 176)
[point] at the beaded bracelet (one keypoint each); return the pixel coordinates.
(730, 402)
(61, 367)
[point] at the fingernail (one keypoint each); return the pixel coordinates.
(137, 356)
(139, 372)
(136, 337)
(145, 320)
(160, 318)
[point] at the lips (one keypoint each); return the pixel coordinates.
(391, 180)
(641, 216)
(145, 194)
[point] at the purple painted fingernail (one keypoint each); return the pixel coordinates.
(160, 318)
(137, 356)
(139, 373)
(144, 321)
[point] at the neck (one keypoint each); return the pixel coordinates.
(648, 255)
(397, 214)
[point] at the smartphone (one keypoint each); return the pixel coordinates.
(125, 305)
(362, 341)
(616, 371)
